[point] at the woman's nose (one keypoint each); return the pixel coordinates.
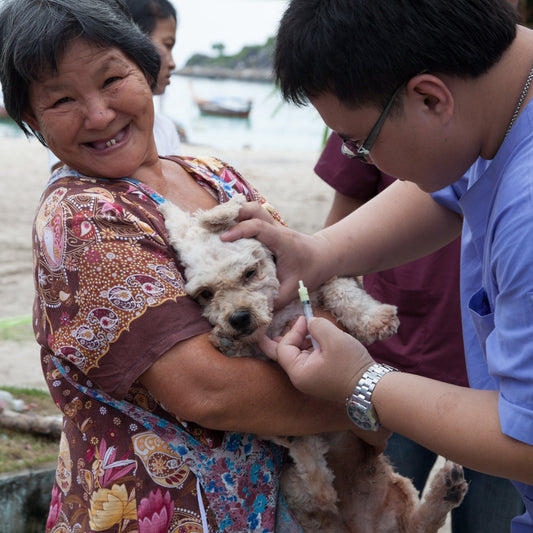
(171, 62)
(98, 114)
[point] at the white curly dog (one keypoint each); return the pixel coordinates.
(336, 483)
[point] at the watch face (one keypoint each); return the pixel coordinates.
(359, 414)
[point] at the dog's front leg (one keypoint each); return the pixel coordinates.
(364, 317)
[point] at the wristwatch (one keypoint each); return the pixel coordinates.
(359, 405)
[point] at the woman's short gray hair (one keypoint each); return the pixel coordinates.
(33, 33)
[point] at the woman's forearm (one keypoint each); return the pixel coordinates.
(197, 383)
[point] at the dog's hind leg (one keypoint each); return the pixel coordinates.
(447, 490)
(362, 316)
(307, 484)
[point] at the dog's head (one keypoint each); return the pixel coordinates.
(234, 282)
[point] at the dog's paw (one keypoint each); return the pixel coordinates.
(222, 216)
(360, 314)
(446, 491)
(449, 485)
(381, 324)
(232, 347)
(456, 485)
(226, 345)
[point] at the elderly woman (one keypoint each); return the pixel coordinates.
(157, 19)
(159, 426)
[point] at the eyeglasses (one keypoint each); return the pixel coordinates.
(353, 149)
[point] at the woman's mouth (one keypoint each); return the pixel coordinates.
(105, 144)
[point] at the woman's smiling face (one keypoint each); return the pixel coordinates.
(96, 112)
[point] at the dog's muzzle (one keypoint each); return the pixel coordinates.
(241, 321)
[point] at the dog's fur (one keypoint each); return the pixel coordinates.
(336, 482)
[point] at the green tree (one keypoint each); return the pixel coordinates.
(219, 47)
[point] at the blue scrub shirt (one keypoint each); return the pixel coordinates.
(495, 199)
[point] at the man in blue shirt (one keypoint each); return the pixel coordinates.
(438, 95)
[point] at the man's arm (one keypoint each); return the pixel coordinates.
(400, 224)
(459, 423)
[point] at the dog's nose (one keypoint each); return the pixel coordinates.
(241, 320)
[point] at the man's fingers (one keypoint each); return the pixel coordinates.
(319, 326)
(296, 335)
(254, 228)
(284, 350)
(268, 347)
(256, 210)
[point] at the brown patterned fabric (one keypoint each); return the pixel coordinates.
(109, 302)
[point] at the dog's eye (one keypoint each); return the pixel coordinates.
(249, 274)
(206, 294)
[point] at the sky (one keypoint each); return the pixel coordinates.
(235, 23)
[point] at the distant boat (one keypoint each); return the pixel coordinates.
(225, 107)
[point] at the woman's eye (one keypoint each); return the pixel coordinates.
(109, 81)
(60, 101)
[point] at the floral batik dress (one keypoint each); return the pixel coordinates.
(110, 301)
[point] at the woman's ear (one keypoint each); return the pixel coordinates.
(433, 94)
(29, 118)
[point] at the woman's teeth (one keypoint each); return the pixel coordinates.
(111, 142)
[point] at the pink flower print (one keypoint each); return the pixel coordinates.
(93, 257)
(134, 190)
(231, 179)
(65, 318)
(105, 466)
(55, 508)
(160, 255)
(155, 513)
(110, 206)
(113, 469)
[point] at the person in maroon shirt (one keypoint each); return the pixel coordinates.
(428, 342)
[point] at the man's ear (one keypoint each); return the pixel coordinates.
(434, 95)
(29, 118)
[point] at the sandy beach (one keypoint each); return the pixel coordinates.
(286, 179)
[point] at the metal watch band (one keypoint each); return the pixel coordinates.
(369, 380)
(362, 393)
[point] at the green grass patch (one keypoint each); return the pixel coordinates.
(19, 450)
(17, 328)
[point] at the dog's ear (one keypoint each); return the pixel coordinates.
(177, 222)
(221, 217)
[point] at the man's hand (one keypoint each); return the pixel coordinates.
(298, 256)
(331, 371)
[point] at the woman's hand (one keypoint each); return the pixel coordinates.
(331, 371)
(298, 256)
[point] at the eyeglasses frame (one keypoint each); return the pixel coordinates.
(351, 150)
